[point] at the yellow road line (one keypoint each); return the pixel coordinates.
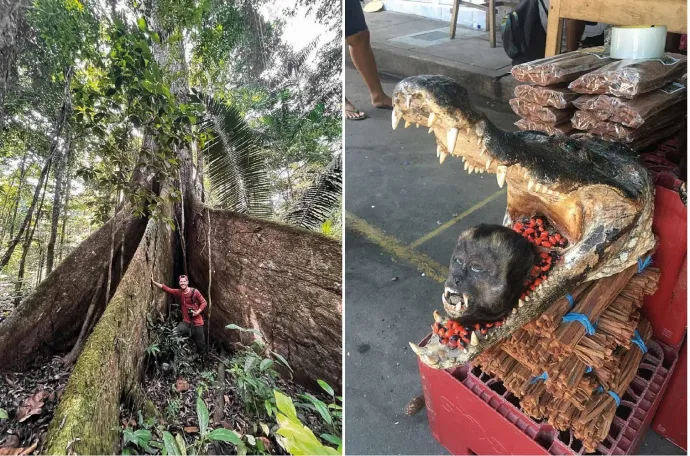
(422, 262)
(455, 220)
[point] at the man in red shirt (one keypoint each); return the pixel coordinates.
(192, 303)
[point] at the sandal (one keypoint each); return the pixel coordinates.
(354, 114)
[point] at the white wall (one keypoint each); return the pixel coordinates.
(440, 10)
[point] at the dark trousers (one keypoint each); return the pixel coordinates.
(183, 329)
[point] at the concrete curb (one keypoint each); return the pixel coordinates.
(403, 63)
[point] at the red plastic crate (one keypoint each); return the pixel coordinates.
(671, 419)
(668, 316)
(471, 412)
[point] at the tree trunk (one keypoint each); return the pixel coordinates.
(26, 247)
(49, 319)
(109, 367)
(13, 28)
(65, 212)
(57, 196)
(22, 176)
(283, 281)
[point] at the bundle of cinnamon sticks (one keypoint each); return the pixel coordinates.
(557, 370)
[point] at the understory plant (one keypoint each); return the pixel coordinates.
(294, 436)
(255, 374)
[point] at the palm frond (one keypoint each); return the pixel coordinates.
(319, 200)
(235, 162)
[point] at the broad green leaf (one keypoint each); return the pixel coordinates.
(321, 407)
(3, 414)
(141, 23)
(282, 360)
(250, 440)
(335, 440)
(326, 387)
(239, 328)
(265, 428)
(260, 446)
(285, 405)
(225, 435)
(300, 440)
(170, 445)
(248, 363)
(156, 38)
(202, 413)
(130, 437)
(269, 407)
(127, 452)
(181, 445)
(265, 364)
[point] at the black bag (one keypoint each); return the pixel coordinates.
(524, 37)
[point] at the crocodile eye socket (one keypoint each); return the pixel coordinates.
(475, 268)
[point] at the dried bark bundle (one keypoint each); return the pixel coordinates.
(595, 350)
(632, 113)
(561, 68)
(539, 113)
(563, 128)
(559, 97)
(604, 291)
(593, 424)
(534, 400)
(629, 78)
(547, 322)
(586, 120)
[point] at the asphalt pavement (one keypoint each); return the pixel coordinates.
(404, 212)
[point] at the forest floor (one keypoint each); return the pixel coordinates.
(236, 394)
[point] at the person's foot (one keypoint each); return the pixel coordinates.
(382, 101)
(352, 113)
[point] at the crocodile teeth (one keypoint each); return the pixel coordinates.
(521, 303)
(431, 130)
(417, 125)
(474, 340)
(488, 164)
(471, 169)
(482, 151)
(407, 123)
(395, 118)
(479, 141)
(501, 172)
(468, 130)
(467, 164)
(530, 185)
(451, 138)
(408, 101)
(537, 187)
(527, 298)
(515, 310)
(432, 119)
(417, 349)
(463, 159)
(443, 157)
(465, 299)
(438, 150)
(437, 317)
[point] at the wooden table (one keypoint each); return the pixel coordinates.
(671, 13)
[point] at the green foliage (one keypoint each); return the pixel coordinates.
(172, 410)
(3, 414)
(140, 438)
(297, 439)
(254, 373)
(320, 199)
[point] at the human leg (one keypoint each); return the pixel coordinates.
(181, 330)
(352, 113)
(199, 339)
(358, 40)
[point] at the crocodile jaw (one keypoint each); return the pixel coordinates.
(595, 251)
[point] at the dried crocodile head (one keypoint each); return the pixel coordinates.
(594, 192)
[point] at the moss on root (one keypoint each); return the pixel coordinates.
(86, 420)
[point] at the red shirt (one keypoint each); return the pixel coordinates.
(187, 303)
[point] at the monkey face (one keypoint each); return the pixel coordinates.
(487, 272)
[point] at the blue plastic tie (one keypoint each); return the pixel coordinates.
(588, 370)
(581, 318)
(637, 340)
(615, 397)
(544, 376)
(571, 300)
(642, 264)
(600, 389)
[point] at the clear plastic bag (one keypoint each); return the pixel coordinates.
(559, 97)
(632, 113)
(561, 68)
(585, 120)
(564, 128)
(629, 78)
(539, 113)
